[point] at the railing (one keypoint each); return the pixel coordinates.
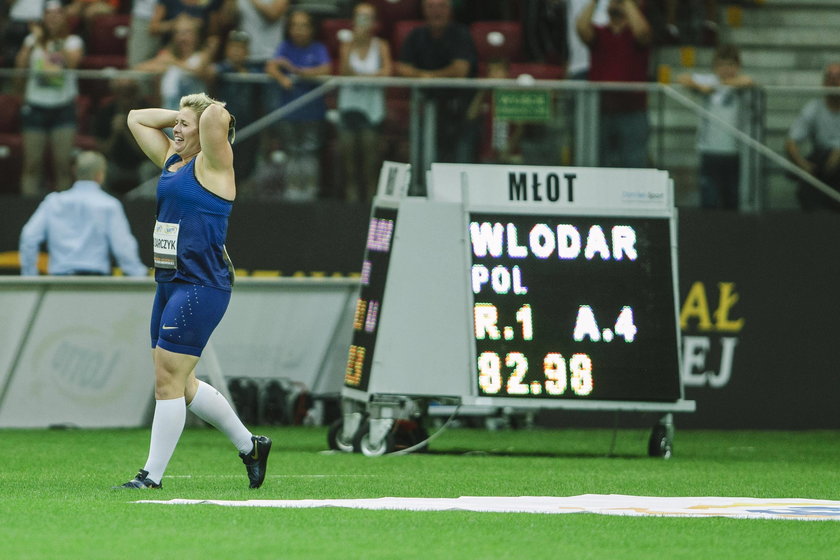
(566, 135)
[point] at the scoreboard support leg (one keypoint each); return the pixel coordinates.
(662, 437)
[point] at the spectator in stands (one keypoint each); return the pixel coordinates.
(501, 139)
(577, 65)
(182, 64)
(208, 12)
(720, 162)
(707, 29)
(818, 125)
(264, 22)
(619, 52)
(114, 140)
(301, 132)
(362, 108)
(444, 49)
(142, 43)
(82, 228)
(49, 110)
(22, 14)
(86, 10)
(242, 98)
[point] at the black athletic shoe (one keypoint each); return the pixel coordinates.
(140, 481)
(255, 461)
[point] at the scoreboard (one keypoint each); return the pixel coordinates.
(522, 286)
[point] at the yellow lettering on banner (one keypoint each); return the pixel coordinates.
(728, 298)
(696, 306)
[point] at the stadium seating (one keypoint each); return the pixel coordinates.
(395, 128)
(84, 133)
(498, 40)
(106, 44)
(11, 145)
(399, 33)
(10, 113)
(389, 12)
(108, 34)
(332, 32)
(537, 70)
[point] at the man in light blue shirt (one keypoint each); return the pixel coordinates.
(82, 227)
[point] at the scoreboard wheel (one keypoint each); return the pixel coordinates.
(363, 442)
(336, 439)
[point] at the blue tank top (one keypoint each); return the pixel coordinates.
(191, 229)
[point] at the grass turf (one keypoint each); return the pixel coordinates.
(57, 503)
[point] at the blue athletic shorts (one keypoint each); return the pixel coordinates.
(184, 316)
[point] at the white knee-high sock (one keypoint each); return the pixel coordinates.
(212, 407)
(167, 425)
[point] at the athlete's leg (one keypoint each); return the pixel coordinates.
(210, 405)
(171, 373)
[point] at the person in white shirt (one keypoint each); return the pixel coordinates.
(82, 228)
(719, 174)
(142, 45)
(362, 107)
(818, 127)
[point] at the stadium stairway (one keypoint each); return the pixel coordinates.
(783, 43)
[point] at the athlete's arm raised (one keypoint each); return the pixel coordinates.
(214, 165)
(146, 125)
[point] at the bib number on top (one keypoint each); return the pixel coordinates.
(166, 245)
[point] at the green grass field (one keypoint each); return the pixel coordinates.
(57, 503)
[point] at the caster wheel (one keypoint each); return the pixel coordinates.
(362, 442)
(660, 444)
(336, 439)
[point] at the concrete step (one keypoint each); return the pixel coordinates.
(798, 4)
(752, 58)
(793, 15)
(790, 38)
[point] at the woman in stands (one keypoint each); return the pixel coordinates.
(362, 107)
(49, 100)
(193, 273)
(182, 64)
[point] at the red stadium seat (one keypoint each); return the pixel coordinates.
(100, 61)
(332, 32)
(10, 113)
(11, 162)
(497, 39)
(400, 32)
(97, 88)
(388, 12)
(537, 70)
(84, 112)
(395, 127)
(108, 34)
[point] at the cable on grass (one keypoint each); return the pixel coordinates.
(429, 439)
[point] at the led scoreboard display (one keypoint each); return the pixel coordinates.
(570, 307)
(522, 286)
(369, 304)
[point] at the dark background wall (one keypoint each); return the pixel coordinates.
(759, 299)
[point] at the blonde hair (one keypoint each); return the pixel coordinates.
(198, 102)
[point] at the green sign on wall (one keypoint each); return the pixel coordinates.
(520, 105)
